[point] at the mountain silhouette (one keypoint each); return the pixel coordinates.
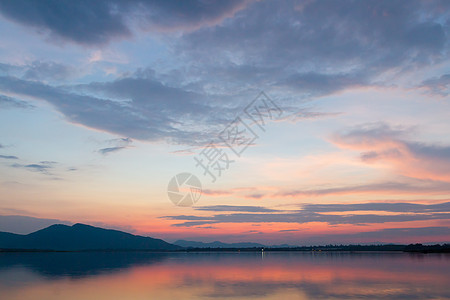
(216, 244)
(81, 237)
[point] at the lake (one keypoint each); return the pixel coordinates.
(230, 275)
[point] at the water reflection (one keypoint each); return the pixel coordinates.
(224, 275)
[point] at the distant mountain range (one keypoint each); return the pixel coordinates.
(81, 237)
(217, 244)
(192, 244)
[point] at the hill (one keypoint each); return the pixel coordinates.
(81, 237)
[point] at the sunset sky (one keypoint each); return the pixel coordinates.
(102, 103)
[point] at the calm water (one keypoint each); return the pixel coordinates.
(224, 276)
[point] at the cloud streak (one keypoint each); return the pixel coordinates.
(8, 156)
(43, 167)
(234, 208)
(407, 212)
(120, 144)
(386, 207)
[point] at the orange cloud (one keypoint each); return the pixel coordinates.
(384, 145)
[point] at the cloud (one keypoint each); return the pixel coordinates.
(316, 48)
(63, 19)
(382, 143)
(391, 187)
(234, 208)
(8, 156)
(9, 102)
(8, 69)
(308, 214)
(216, 192)
(319, 84)
(396, 235)
(43, 167)
(189, 15)
(138, 106)
(321, 48)
(105, 151)
(48, 70)
(438, 85)
(40, 70)
(142, 109)
(96, 23)
(387, 207)
(401, 186)
(255, 196)
(120, 144)
(302, 218)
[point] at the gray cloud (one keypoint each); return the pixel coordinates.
(404, 185)
(319, 47)
(302, 217)
(429, 151)
(439, 85)
(140, 107)
(158, 113)
(8, 156)
(315, 48)
(43, 167)
(95, 23)
(387, 207)
(313, 213)
(85, 22)
(48, 70)
(105, 151)
(119, 144)
(319, 83)
(370, 133)
(8, 69)
(10, 102)
(412, 186)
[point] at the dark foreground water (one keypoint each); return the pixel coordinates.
(288, 275)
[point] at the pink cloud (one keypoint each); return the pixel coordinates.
(388, 146)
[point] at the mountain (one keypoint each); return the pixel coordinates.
(81, 237)
(216, 244)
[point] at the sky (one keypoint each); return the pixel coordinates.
(305, 122)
